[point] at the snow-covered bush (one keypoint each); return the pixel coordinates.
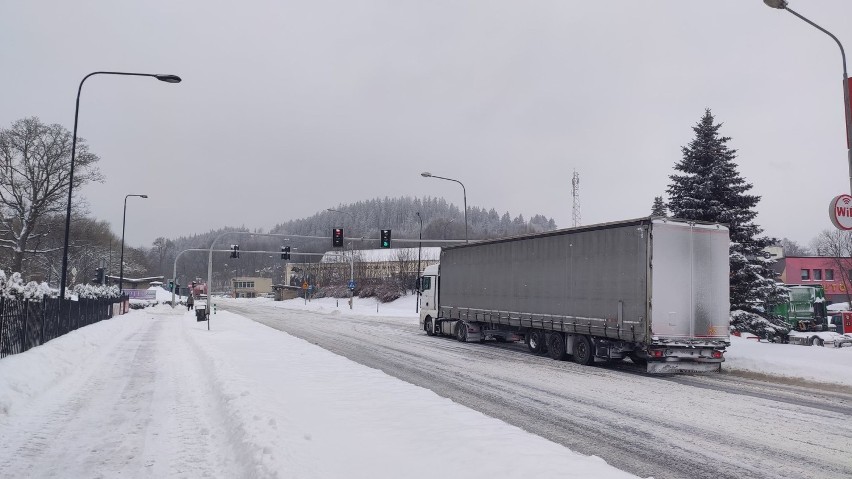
(14, 287)
(390, 291)
(89, 291)
(366, 290)
(142, 303)
(333, 291)
(384, 291)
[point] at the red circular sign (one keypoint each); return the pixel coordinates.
(840, 212)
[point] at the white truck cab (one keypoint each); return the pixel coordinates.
(429, 297)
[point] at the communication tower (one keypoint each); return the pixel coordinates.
(575, 192)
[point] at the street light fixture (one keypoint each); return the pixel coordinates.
(426, 174)
(782, 5)
(123, 222)
(163, 78)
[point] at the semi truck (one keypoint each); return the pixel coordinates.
(655, 290)
(805, 307)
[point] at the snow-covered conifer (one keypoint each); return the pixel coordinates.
(709, 188)
(658, 208)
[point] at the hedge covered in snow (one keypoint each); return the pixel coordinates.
(14, 287)
(88, 291)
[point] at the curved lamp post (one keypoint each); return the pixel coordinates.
(121, 261)
(426, 174)
(782, 5)
(161, 77)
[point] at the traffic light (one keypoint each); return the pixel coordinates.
(235, 251)
(386, 238)
(337, 237)
(171, 285)
(285, 252)
(99, 276)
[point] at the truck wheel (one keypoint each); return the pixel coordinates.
(428, 327)
(461, 332)
(535, 342)
(816, 341)
(556, 347)
(584, 351)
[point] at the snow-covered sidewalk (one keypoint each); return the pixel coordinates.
(155, 394)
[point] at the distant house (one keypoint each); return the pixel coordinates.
(822, 270)
(385, 263)
(251, 287)
(336, 267)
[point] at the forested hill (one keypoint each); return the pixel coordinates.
(441, 220)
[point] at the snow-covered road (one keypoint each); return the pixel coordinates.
(716, 426)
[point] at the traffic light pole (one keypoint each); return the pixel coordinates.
(174, 269)
(210, 256)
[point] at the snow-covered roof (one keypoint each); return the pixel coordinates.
(137, 280)
(429, 253)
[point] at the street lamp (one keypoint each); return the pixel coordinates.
(419, 248)
(123, 222)
(782, 5)
(426, 174)
(162, 78)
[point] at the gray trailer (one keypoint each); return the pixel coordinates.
(655, 290)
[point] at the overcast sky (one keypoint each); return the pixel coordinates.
(287, 108)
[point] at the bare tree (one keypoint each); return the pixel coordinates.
(791, 248)
(162, 255)
(35, 163)
(836, 245)
(406, 266)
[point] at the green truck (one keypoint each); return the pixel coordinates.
(805, 309)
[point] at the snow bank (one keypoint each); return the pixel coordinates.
(164, 295)
(26, 376)
(813, 363)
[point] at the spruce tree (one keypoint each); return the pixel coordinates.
(709, 188)
(658, 208)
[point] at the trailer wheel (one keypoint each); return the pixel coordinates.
(461, 332)
(556, 347)
(535, 342)
(816, 341)
(584, 351)
(428, 327)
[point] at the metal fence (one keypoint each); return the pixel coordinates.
(26, 323)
